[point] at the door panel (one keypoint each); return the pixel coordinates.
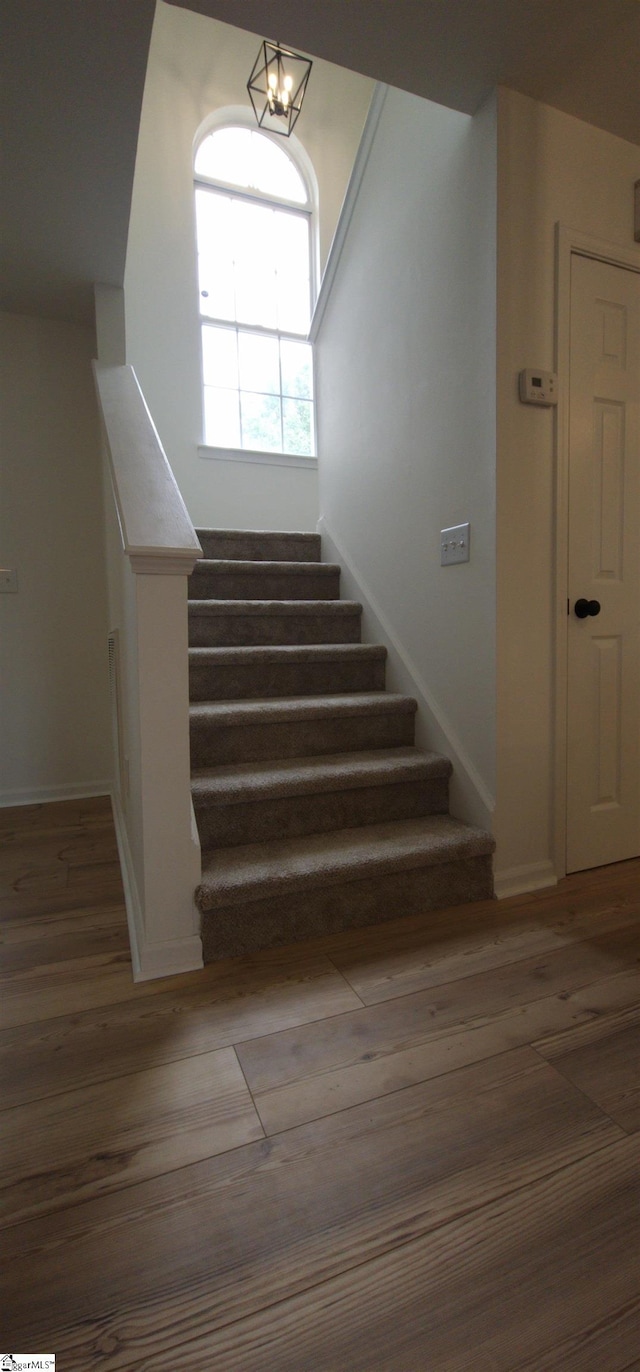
(603, 762)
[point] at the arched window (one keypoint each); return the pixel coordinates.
(253, 218)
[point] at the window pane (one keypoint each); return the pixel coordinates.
(244, 157)
(274, 173)
(221, 418)
(217, 297)
(292, 241)
(215, 254)
(253, 234)
(297, 423)
(261, 422)
(256, 298)
(255, 268)
(226, 156)
(259, 369)
(219, 357)
(214, 221)
(297, 374)
(292, 264)
(294, 314)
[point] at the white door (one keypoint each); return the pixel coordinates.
(603, 706)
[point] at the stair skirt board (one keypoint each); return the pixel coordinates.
(315, 810)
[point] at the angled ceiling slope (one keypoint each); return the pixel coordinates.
(581, 55)
(72, 77)
(72, 74)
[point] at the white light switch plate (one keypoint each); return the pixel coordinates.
(8, 580)
(454, 544)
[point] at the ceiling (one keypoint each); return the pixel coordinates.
(73, 76)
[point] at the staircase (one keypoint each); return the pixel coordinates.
(315, 810)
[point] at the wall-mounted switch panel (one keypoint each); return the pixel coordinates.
(8, 580)
(454, 545)
(538, 388)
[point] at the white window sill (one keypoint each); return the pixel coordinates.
(263, 459)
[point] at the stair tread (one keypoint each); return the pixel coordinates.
(259, 653)
(310, 775)
(302, 534)
(260, 870)
(334, 608)
(272, 710)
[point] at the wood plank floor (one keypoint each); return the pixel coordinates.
(411, 1148)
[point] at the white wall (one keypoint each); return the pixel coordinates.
(551, 168)
(197, 65)
(406, 398)
(54, 721)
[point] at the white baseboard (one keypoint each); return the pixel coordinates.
(149, 960)
(167, 959)
(43, 795)
(131, 897)
(517, 881)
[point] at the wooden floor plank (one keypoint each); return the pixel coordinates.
(78, 921)
(70, 1147)
(71, 848)
(227, 1004)
(452, 1185)
(261, 1224)
(299, 1074)
(41, 993)
(423, 951)
(607, 1069)
(535, 1280)
(53, 815)
(58, 889)
(51, 948)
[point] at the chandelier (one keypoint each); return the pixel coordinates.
(277, 86)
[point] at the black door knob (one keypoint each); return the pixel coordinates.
(583, 608)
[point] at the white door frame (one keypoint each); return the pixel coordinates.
(568, 241)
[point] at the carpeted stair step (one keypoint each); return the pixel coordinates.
(250, 730)
(217, 579)
(265, 894)
(257, 672)
(254, 545)
(261, 801)
(240, 622)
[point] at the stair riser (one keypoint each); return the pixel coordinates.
(215, 631)
(214, 744)
(225, 826)
(262, 681)
(260, 547)
(235, 585)
(237, 930)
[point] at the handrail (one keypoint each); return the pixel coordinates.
(157, 534)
